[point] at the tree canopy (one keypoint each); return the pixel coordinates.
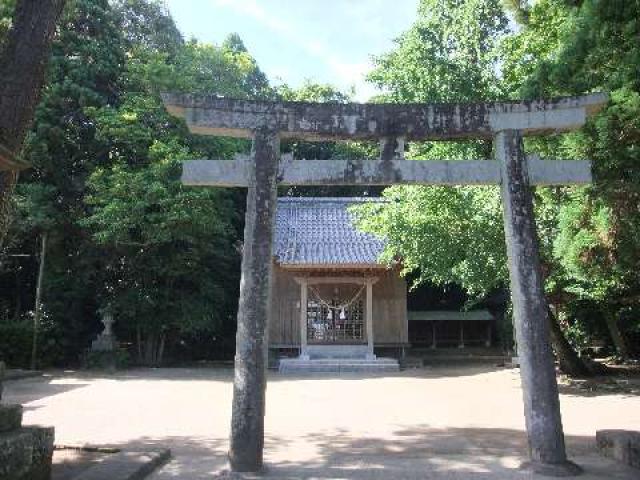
(123, 232)
(469, 50)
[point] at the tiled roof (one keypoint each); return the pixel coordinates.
(320, 231)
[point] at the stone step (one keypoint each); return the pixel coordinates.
(320, 361)
(10, 417)
(337, 351)
(26, 453)
(621, 445)
(338, 365)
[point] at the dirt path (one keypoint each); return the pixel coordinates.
(436, 423)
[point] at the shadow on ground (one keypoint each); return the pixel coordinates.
(32, 389)
(68, 464)
(417, 453)
(225, 374)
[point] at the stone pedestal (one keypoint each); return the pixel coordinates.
(25, 452)
(621, 445)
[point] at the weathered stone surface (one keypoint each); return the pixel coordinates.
(212, 115)
(26, 454)
(537, 368)
(10, 417)
(621, 445)
(249, 385)
(42, 452)
(234, 173)
(16, 452)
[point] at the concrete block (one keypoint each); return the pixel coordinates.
(26, 454)
(10, 417)
(621, 445)
(41, 452)
(16, 450)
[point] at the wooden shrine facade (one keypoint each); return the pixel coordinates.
(331, 294)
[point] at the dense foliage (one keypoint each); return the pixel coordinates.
(122, 229)
(123, 232)
(589, 237)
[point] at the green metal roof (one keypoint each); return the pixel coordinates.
(448, 315)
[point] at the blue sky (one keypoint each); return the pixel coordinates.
(327, 41)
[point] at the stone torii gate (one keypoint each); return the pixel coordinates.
(505, 123)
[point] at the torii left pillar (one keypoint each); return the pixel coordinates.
(249, 386)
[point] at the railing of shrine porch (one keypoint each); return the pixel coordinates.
(504, 122)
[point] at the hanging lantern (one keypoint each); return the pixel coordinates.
(343, 316)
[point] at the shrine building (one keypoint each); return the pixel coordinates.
(356, 306)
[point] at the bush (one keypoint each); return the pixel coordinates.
(118, 360)
(15, 343)
(16, 337)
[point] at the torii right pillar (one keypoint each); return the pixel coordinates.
(537, 366)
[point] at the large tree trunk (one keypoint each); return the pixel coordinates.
(616, 335)
(152, 352)
(570, 362)
(23, 64)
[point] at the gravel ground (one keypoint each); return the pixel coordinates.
(434, 423)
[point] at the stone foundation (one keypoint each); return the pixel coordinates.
(25, 452)
(621, 445)
(339, 365)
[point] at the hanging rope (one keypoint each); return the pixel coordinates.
(342, 306)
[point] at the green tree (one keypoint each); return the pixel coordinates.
(85, 66)
(6, 18)
(165, 247)
(147, 26)
(172, 260)
(580, 47)
(103, 143)
(446, 235)
(323, 93)
(449, 54)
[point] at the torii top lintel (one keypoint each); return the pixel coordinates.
(213, 115)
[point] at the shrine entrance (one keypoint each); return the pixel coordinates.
(335, 315)
(338, 318)
(505, 123)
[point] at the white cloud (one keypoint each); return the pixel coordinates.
(346, 73)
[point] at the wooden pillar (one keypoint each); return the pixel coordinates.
(369, 319)
(303, 319)
(247, 420)
(461, 343)
(537, 369)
